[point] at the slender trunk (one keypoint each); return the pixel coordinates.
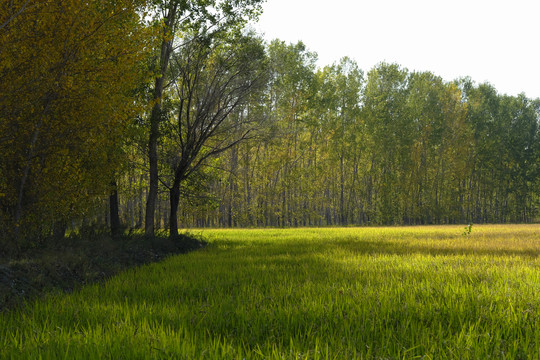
(130, 204)
(26, 172)
(342, 217)
(153, 187)
(247, 206)
(59, 230)
(165, 216)
(174, 200)
(349, 209)
(166, 50)
(140, 202)
(114, 210)
(107, 217)
(232, 186)
(157, 215)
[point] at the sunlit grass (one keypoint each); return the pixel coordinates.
(331, 293)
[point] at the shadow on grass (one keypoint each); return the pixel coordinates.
(229, 258)
(228, 293)
(81, 259)
(218, 286)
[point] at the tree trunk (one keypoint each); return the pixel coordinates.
(174, 200)
(342, 217)
(232, 185)
(155, 117)
(151, 200)
(114, 210)
(59, 230)
(130, 205)
(140, 202)
(26, 172)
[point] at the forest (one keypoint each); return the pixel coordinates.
(166, 114)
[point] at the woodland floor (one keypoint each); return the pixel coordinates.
(78, 260)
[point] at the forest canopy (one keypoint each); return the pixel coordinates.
(167, 114)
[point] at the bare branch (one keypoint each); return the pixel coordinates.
(15, 15)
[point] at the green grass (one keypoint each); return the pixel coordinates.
(333, 293)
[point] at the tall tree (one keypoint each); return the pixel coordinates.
(208, 16)
(215, 77)
(340, 98)
(390, 129)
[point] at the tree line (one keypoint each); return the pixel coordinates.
(162, 114)
(387, 147)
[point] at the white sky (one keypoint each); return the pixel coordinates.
(489, 40)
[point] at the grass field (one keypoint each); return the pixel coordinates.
(332, 293)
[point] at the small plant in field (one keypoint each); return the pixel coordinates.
(468, 229)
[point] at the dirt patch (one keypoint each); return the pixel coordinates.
(78, 260)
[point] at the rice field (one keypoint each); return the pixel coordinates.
(312, 293)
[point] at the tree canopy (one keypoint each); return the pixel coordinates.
(68, 72)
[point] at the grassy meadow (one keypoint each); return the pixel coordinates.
(315, 293)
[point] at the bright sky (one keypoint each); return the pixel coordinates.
(489, 40)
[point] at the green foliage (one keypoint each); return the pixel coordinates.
(68, 70)
(78, 113)
(341, 293)
(394, 148)
(198, 23)
(468, 230)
